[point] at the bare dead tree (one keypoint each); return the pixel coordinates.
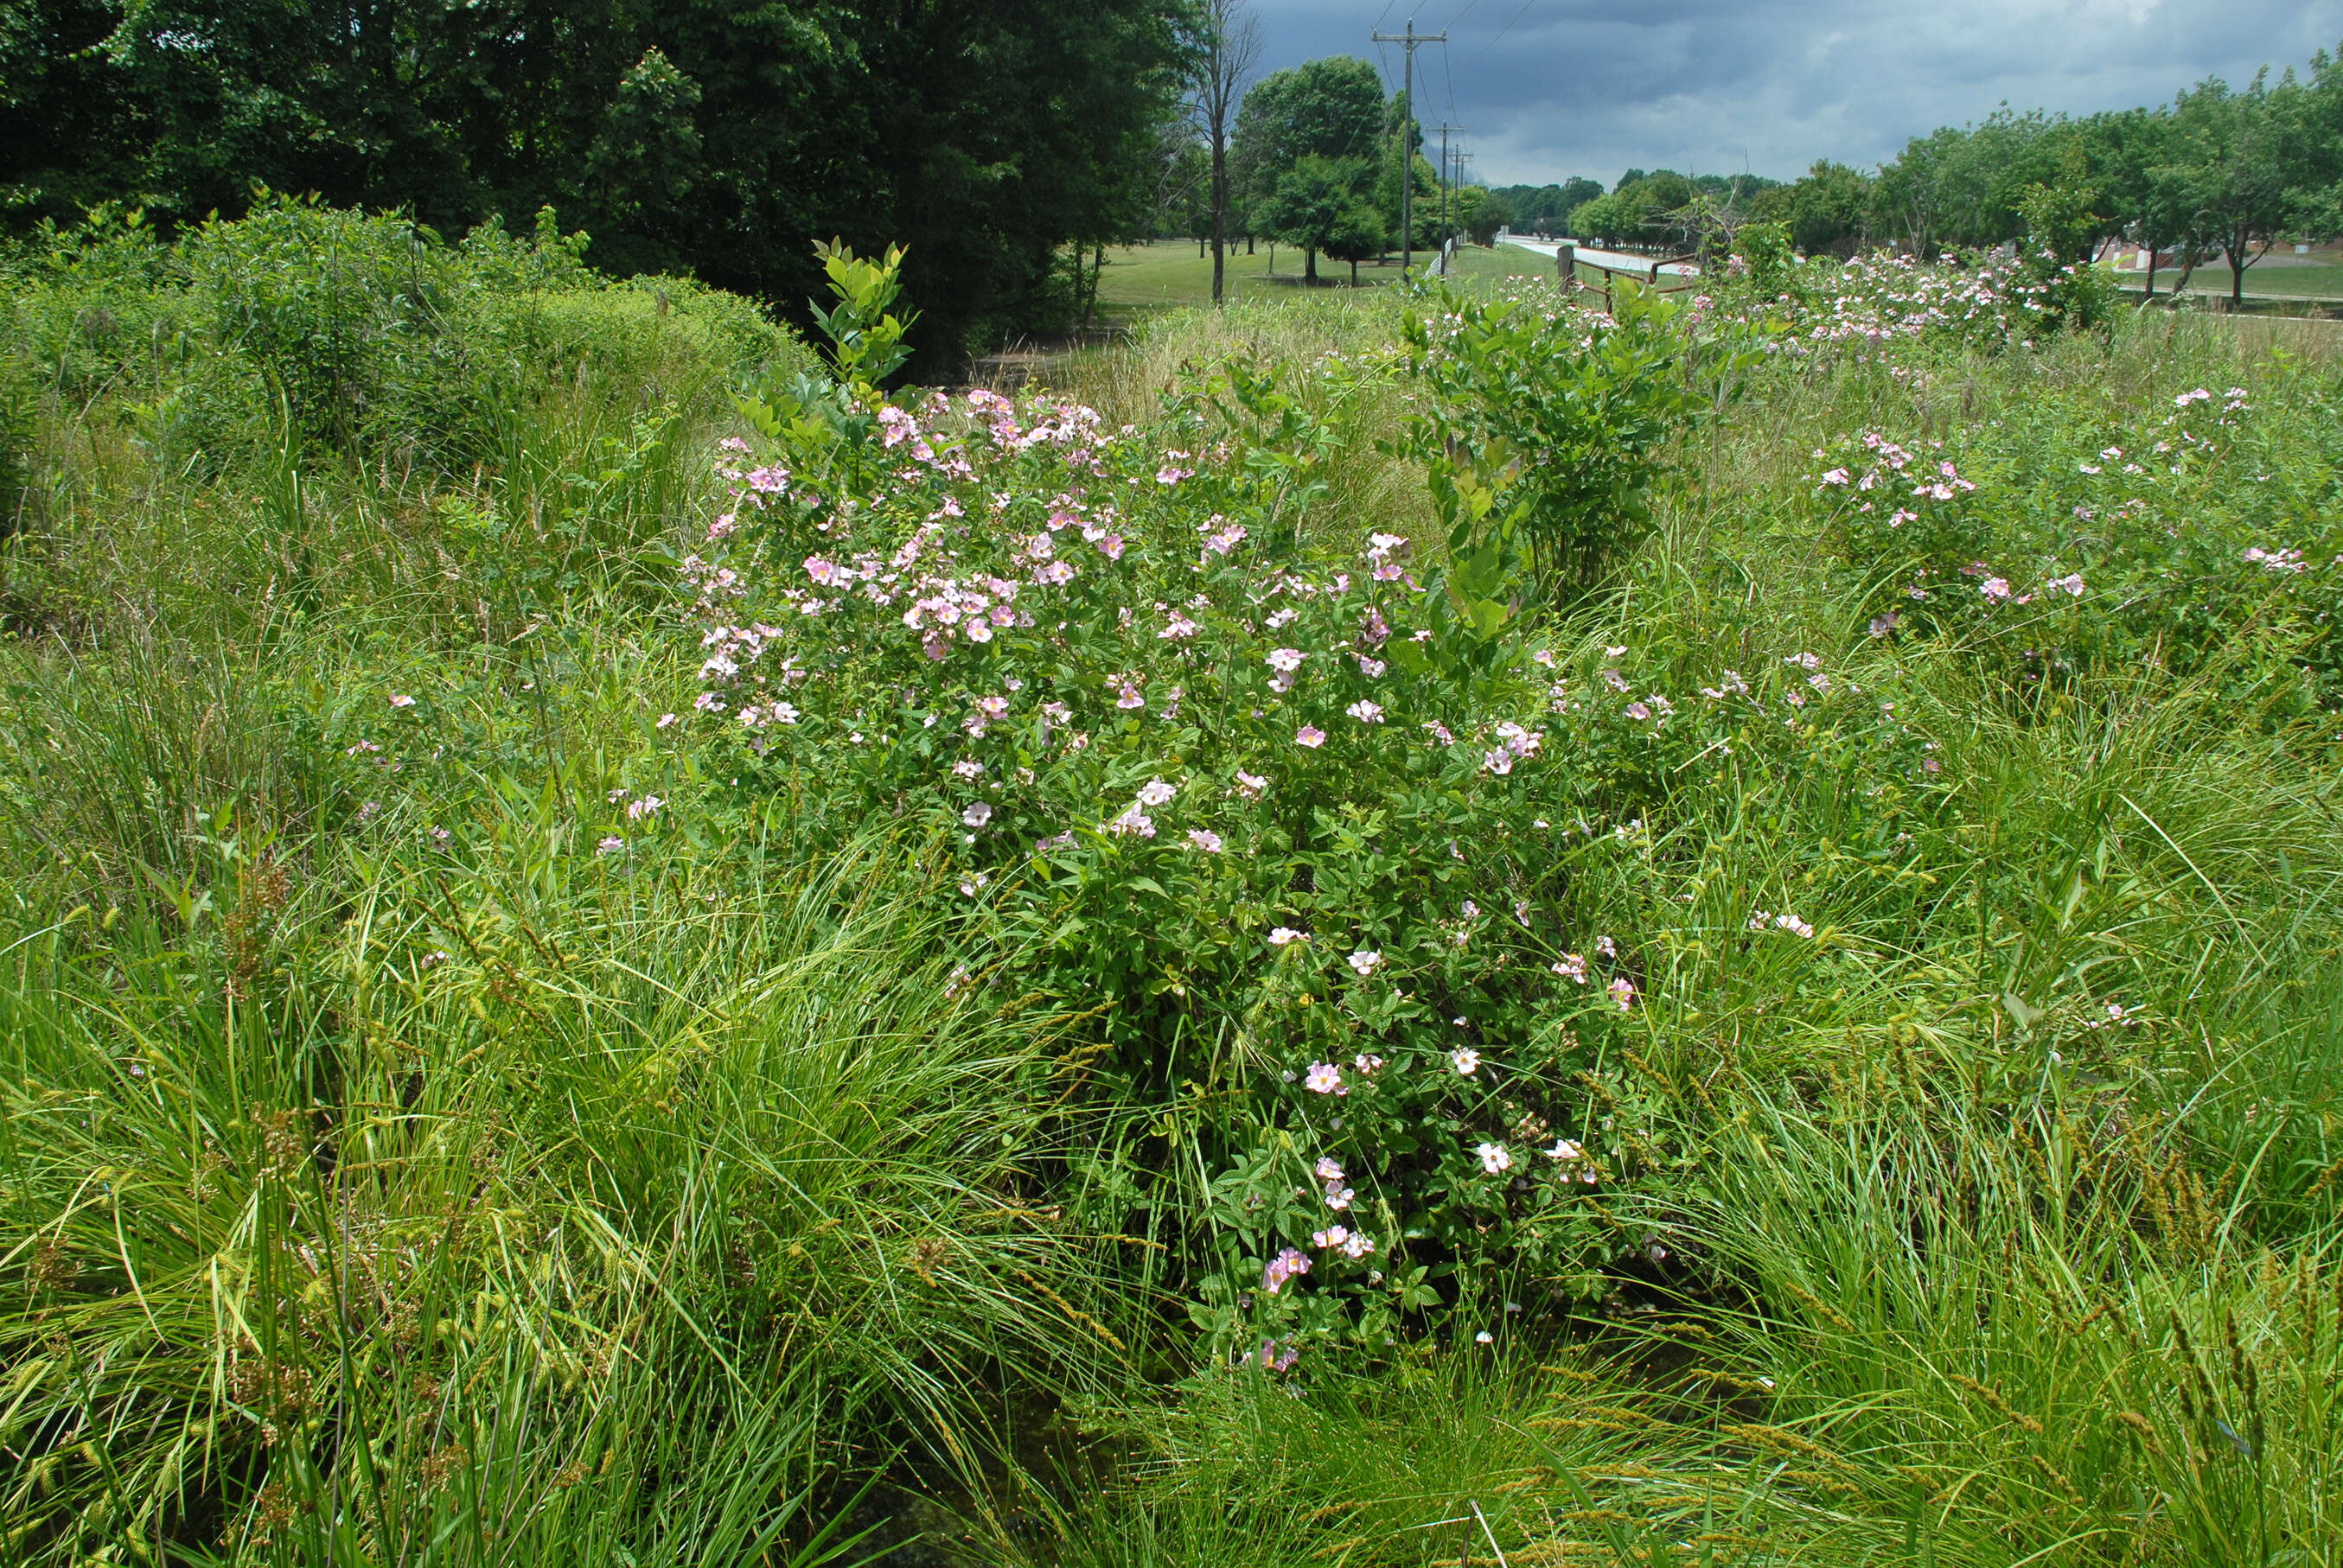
(1705, 226)
(1229, 49)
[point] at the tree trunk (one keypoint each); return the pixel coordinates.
(1201, 243)
(1219, 209)
(1308, 268)
(2237, 281)
(1248, 244)
(1354, 275)
(2150, 285)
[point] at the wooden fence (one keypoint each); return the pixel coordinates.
(1566, 264)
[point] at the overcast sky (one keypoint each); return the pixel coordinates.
(1557, 87)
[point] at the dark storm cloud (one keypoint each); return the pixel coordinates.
(1557, 87)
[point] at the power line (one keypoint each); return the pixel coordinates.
(1504, 30)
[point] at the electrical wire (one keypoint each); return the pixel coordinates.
(1382, 55)
(1502, 31)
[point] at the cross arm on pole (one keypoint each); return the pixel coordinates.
(1408, 40)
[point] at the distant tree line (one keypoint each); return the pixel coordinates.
(1001, 140)
(2219, 175)
(1664, 208)
(1545, 209)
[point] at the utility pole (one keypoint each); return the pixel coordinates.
(1445, 223)
(1408, 40)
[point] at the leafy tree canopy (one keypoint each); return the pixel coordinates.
(1329, 108)
(722, 136)
(1321, 204)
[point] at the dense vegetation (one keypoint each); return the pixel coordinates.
(1387, 928)
(714, 139)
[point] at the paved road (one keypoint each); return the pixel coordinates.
(1611, 258)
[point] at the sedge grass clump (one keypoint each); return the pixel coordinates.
(2039, 1341)
(459, 1222)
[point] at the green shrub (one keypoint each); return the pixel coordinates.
(369, 334)
(1553, 419)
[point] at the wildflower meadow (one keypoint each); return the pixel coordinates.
(1380, 929)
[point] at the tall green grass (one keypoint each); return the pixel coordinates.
(451, 1190)
(373, 1196)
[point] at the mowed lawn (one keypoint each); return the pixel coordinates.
(2315, 280)
(1167, 273)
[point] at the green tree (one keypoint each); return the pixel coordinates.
(724, 135)
(2233, 184)
(1959, 186)
(1574, 191)
(1616, 217)
(1909, 200)
(1663, 194)
(1482, 212)
(1321, 201)
(1331, 108)
(66, 134)
(1826, 212)
(646, 158)
(2122, 150)
(1358, 234)
(1427, 196)
(2317, 194)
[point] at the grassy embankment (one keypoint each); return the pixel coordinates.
(390, 1177)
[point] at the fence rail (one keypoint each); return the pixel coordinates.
(1566, 264)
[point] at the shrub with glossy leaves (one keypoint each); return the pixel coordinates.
(1558, 415)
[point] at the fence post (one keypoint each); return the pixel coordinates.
(1565, 264)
